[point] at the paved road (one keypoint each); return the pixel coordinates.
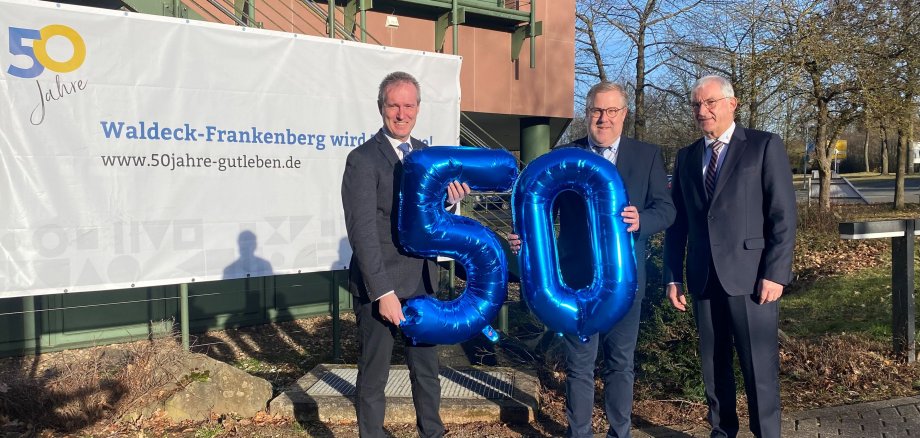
(877, 191)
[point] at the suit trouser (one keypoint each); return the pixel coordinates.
(725, 322)
(376, 339)
(618, 345)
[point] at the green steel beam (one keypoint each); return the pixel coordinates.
(364, 6)
(475, 8)
(455, 14)
(330, 23)
(444, 21)
(518, 37)
(334, 300)
(162, 8)
(440, 31)
(533, 31)
(183, 315)
(245, 10)
(351, 9)
(535, 138)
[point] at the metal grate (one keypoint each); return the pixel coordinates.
(465, 384)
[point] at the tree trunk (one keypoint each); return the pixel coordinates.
(910, 142)
(901, 168)
(866, 150)
(639, 121)
(884, 153)
(823, 155)
(824, 163)
(595, 47)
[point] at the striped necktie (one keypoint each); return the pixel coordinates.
(609, 153)
(712, 168)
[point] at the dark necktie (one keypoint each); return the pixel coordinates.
(712, 168)
(406, 149)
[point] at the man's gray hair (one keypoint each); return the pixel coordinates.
(602, 87)
(393, 79)
(724, 84)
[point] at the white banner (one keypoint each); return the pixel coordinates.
(138, 150)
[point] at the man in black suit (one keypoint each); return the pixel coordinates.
(736, 220)
(381, 275)
(650, 211)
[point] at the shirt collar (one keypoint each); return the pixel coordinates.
(395, 142)
(614, 145)
(725, 138)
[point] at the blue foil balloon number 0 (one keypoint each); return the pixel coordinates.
(596, 308)
(426, 229)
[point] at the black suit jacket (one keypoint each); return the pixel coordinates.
(642, 169)
(370, 190)
(747, 229)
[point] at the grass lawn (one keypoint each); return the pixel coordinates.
(856, 303)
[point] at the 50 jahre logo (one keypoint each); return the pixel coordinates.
(31, 61)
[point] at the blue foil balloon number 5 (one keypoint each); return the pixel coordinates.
(596, 308)
(426, 229)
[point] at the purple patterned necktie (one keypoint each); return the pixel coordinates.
(712, 168)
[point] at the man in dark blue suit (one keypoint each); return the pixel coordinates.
(381, 275)
(650, 211)
(735, 227)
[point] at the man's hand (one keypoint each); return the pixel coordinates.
(631, 216)
(456, 192)
(391, 309)
(769, 291)
(514, 241)
(675, 294)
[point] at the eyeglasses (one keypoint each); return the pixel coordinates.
(610, 112)
(708, 103)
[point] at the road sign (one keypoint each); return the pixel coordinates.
(841, 149)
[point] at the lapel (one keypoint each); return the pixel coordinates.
(417, 144)
(736, 148)
(626, 163)
(695, 161)
(583, 144)
(386, 149)
(626, 160)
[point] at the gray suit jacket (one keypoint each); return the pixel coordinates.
(747, 229)
(370, 197)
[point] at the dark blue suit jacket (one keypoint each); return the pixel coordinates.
(642, 169)
(748, 228)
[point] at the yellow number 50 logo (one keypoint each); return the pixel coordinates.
(38, 52)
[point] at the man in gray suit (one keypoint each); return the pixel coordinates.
(381, 275)
(736, 220)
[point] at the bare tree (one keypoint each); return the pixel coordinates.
(644, 24)
(738, 49)
(888, 66)
(589, 61)
(814, 41)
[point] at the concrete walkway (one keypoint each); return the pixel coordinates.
(515, 402)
